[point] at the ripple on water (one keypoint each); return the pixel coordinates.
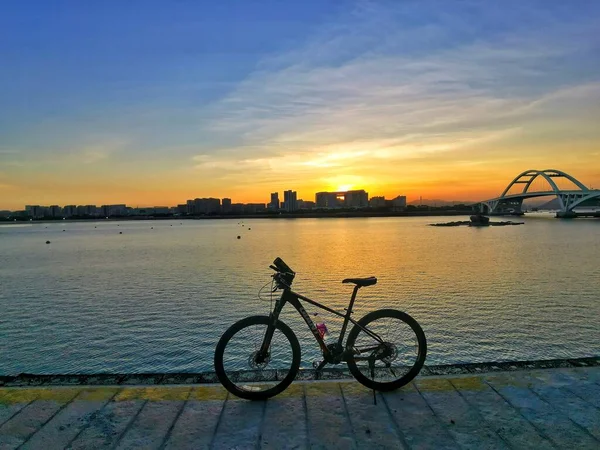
(159, 299)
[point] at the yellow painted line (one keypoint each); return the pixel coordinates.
(60, 395)
(354, 388)
(97, 394)
(204, 393)
(9, 396)
(468, 383)
(153, 394)
(429, 385)
(323, 389)
(130, 393)
(25, 395)
(295, 390)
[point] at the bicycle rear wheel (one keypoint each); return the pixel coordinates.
(395, 362)
(242, 373)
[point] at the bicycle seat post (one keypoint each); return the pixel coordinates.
(348, 313)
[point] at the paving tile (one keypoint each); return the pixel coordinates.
(284, 424)
(328, 423)
(240, 424)
(373, 425)
(18, 429)
(578, 410)
(552, 424)
(196, 425)
(9, 408)
(107, 425)
(463, 422)
(420, 428)
(150, 427)
(66, 424)
(499, 415)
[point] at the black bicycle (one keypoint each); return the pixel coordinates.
(259, 356)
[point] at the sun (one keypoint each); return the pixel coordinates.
(344, 187)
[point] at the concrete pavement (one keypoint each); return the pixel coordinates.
(541, 408)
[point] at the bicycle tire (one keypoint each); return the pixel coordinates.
(414, 370)
(276, 389)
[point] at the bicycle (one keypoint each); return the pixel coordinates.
(270, 349)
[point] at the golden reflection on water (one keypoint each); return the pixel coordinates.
(158, 297)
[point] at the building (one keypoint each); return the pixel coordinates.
(203, 206)
(377, 202)
(274, 204)
(55, 211)
(113, 210)
(34, 211)
(290, 201)
(69, 211)
(347, 199)
(399, 203)
(181, 209)
(226, 206)
(254, 208)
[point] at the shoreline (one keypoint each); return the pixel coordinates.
(333, 215)
(25, 379)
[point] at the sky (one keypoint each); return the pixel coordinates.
(155, 102)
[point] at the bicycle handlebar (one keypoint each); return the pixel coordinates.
(284, 276)
(281, 266)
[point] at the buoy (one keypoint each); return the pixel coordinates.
(120, 232)
(239, 237)
(152, 228)
(95, 227)
(249, 228)
(47, 242)
(64, 230)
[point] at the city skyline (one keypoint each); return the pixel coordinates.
(111, 103)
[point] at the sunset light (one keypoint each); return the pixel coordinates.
(426, 99)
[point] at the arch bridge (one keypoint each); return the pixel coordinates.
(568, 200)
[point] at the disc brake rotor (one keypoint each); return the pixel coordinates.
(254, 364)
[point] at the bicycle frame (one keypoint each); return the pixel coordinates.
(289, 296)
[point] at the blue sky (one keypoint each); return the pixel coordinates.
(155, 102)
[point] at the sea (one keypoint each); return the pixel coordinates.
(156, 295)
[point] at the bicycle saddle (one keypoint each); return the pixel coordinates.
(362, 282)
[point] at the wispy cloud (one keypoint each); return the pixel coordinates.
(371, 89)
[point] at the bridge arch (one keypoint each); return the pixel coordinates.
(547, 174)
(567, 198)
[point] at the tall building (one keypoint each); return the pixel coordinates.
(274, 204)
(290, 201)
(226, 206)
(346, 199)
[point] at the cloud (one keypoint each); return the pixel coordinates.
(372, 89)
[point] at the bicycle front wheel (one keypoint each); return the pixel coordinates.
(240, 369)
(390, 364)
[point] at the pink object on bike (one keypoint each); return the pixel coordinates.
(322, 329)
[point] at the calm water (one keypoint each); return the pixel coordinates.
(158, 299)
